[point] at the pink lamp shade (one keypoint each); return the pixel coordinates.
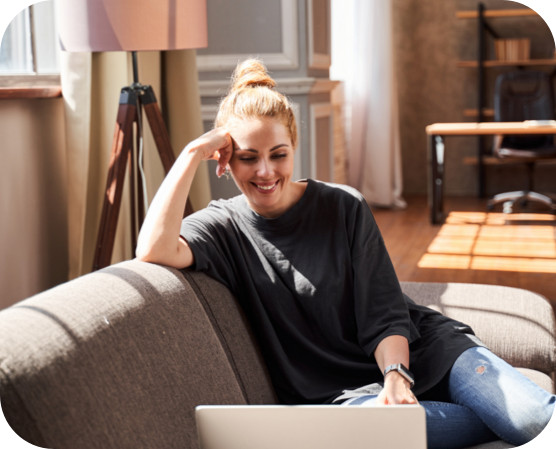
(131, 25)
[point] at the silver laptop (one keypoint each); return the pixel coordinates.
(311, 427)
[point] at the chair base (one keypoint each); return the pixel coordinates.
(523, 197)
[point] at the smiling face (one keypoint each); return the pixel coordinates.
(262, 165)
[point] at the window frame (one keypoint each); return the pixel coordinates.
(30, 85)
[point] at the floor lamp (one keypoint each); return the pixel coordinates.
(131, 25)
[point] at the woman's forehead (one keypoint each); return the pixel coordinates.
(256, 129)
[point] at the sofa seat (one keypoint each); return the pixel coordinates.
(120, 358)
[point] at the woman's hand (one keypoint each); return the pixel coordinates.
(216, 144)
(396, 391)
(394, 349)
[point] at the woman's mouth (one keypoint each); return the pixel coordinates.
(266, 187)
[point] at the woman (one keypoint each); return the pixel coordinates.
(309, 266)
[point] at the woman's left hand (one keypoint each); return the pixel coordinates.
(396, 391)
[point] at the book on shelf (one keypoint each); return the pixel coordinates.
(512, 49)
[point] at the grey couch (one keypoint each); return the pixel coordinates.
(120, 358)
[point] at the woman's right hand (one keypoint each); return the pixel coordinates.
(216, 144)
(396, 391)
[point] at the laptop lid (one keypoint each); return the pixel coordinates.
(311, 426)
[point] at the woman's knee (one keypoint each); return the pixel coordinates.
(506, 400)
(532, 420)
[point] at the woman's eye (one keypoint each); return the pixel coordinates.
(254, 159)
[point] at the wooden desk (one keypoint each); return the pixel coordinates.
(436, 134)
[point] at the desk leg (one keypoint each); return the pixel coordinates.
(436, 187)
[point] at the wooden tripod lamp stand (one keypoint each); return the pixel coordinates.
(132, 100)
(131, 25)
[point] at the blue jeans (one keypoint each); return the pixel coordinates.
(487, 399)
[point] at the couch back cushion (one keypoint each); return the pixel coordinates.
(232, 328)
(121, 357)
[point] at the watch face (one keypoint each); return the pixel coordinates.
(404, 370)
(406, 373)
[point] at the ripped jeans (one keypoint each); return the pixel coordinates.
(486, 399)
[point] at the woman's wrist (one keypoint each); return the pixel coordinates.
(195, 152)
(394, 376)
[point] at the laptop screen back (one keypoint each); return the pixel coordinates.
(311, 426)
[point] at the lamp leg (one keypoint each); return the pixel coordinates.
(160, 134)
(121, 146)
(158, 128)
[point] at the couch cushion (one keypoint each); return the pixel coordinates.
(115, 359)
(541, 379)
(517, 325)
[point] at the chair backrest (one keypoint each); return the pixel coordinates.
(524, 95)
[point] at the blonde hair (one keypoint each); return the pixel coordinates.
(252, 95)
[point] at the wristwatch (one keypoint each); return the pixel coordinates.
(406, 374)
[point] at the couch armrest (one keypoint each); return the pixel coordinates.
(517, 325)
(16, 414)
(118, 358)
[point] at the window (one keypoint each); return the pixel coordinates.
(29, 49)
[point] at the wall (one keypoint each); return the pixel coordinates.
(33, 215)
(429, 42)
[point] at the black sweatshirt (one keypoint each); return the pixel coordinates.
(320, 292)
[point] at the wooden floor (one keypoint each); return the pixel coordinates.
(473, 246)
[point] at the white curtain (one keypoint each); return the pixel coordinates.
(363, 58)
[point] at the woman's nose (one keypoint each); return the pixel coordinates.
(264, 168)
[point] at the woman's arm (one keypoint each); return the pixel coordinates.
(391, 350)
(159, 239)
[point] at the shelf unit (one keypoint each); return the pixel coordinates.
(528, 62)
(496, 13)
(474, 113)
(491, 160)
(481, 112)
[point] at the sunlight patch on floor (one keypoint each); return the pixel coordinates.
(494, 241)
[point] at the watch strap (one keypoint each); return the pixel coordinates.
(403, 371)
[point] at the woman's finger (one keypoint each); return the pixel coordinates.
(403, 398)
(224, 155)
(381, 398)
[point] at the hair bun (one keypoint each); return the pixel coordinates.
(251, 73)
(251, 96)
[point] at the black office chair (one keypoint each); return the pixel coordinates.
(521, 96)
